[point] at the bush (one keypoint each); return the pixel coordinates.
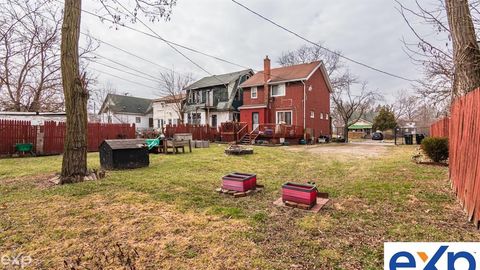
(436, 148)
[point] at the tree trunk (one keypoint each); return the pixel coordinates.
(345, 133)
(466, 53)
(74, 166)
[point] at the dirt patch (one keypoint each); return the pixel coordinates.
(350, 149)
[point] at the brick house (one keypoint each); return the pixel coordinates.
(296, 103)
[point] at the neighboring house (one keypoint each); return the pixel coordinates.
(361, 125)
(122, 109)
(36, 118)
(166, 110)
(297, 95)
(215, 99)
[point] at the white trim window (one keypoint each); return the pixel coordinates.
(312, 114)
(326, 116)
(284, 117)
(321, 115)
(278, 90)
(254, 93)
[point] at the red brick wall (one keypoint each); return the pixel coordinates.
(246, 116)
(247, 100)
(318, 100)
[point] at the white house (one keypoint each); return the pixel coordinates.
(122, 109)
(166, 110)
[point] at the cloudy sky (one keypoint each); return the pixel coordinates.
(367, 31)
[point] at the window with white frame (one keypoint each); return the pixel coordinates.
(253, 92)
(312, 114)
(138, 120)
(326, 116)
(284, 117)
(321, 115)
(278, 90)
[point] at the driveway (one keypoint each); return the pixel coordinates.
(354, 149)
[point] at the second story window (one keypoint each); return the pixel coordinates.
(138, 120)
(253, 93)
(312, 114)
(278, 90)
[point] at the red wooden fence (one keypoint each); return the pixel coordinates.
(440, 128)
(54, 134)
(13, 132)
(463, 131)
(199, 132)
(464, 159)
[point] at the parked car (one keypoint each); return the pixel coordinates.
(377, 136)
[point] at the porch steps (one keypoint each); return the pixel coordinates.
(249, 138)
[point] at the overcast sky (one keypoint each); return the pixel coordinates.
(367, 31)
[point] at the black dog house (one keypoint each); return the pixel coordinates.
(124, 154)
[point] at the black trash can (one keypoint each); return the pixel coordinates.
(408, 139)
(419, 138)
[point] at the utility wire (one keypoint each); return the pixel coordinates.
(322, 47)
(168, 43)
(127, 72)
(121, 78)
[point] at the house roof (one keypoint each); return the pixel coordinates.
(288, 74)
(171, 98)
(361, 124)
(218, 79)
(126, 104)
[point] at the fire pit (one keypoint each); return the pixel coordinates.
(236, 149)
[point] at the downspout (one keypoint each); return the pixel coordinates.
(304, 111)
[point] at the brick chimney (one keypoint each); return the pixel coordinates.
(266, 88)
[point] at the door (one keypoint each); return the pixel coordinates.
(214, 120)
(255, 120)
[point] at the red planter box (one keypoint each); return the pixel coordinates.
(299, 193)
(239, 181)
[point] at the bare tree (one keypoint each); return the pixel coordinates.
(336, 69)
(350, 107)
(74, 166)
(172, 87)
(405, 106)
(30, 56)
(466, 53)
(97, 96)
(433, 51)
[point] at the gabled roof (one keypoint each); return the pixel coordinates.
(293, 73)
(218, 79)
(171, 98)
(126, 104)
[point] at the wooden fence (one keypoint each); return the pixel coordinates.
(13, 132)
(199, 132)
(463, 131)
(54, 134)
(464, 159)
(440, 128)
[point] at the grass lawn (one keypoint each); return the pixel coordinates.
(168, 216)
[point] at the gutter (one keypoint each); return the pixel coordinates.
(304, 111)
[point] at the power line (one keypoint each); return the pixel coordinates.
(127, 72)
(125, 66)
(322, 47)
(171, 46)
(121, 78)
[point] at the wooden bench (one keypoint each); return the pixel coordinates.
(176, 145)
